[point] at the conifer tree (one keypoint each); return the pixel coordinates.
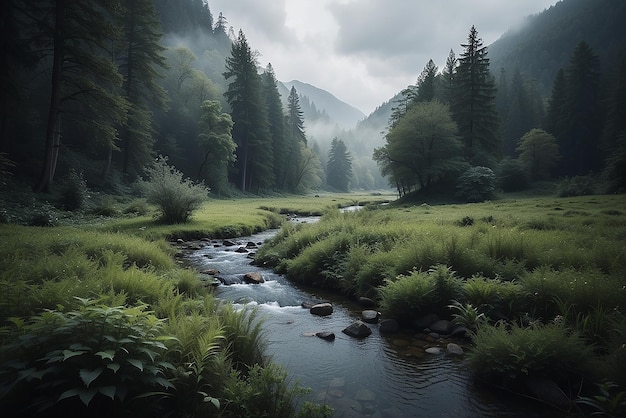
(254, 165)
(474, 103)
(141, 60)
(446, 83)
(276, 120)
(339, 166)
(426, 83)
(296, 137)
(83, 79)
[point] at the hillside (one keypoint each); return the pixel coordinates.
(546, 41)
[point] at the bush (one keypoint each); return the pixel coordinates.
(506, 355)
(476, 184)
(74, 191)
(512, 176)
(175, 196)
(575, 186)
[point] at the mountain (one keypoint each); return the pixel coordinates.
(317, 103)
(545, 42)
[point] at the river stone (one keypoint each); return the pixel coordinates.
(365, 395)
(241, 250)
(251, 244)
(211, 272)
(424, 321)
(253, 277)
(322, 309)
(325, 335)
(389, 326)
(440, 327)
(370, 316)
(366, 302)
(228, 243)
(458, 331)
(454, 349)
(357, 329)
(433, 350)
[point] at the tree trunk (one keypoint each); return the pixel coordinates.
(52, 128)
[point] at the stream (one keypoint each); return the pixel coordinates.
(379, 376)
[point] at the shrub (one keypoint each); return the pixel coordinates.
(94, 357)
(508, 354)
(74, 191)
(476, 184)
(137, 207)
(44, 215)
(175, 196)
(575, 186)
(511, 175)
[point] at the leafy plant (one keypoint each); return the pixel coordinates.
(476, 184)
(467, 315)
(112, 357)
(74, 191)
(607, 402)
(175, 196)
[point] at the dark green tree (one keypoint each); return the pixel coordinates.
(473, 104)
(445, 91)
(539, 152)
(254, 165)
(141, 61)
(295, 137)
(339, 166)
(276, 120)
(581, 115)
(216, 141)
(84, 81)
(426, 83)
(422, 148)
(556, 113)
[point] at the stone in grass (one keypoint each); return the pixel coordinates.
(454, 349)
(322, 309)
(433, 350)
(357, 329)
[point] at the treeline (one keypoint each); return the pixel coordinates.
(460, 130)
(95, 87)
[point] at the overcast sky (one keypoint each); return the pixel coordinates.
(366, 51)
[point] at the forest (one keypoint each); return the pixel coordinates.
(98, 90)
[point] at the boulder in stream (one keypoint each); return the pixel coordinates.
(253, 278)
(326, 335)
(357, 329)
(322, 309)
(370, 316)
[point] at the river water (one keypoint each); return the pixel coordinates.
(378, 376)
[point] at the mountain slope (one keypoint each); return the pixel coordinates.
(546, 41)
(345, 115)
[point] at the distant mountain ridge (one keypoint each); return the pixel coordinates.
(324, 103)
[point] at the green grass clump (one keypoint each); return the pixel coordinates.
(507, 354)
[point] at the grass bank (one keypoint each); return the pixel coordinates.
(97, 319)
(552, 267)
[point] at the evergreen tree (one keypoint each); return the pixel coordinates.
(539, 152)
(556, 114)
(615, 122)
(83, 79)
(295, 136)
(254, 165)
(276, 120)
(446, 81)
(339, 166)
(426, 83)
(141, 59)
(474, 103)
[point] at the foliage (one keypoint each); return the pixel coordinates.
(576, 186)
(605, 402)
(539, 152)
(476, 184)
(175, 196)
(508, 353)
(110, 356)
(467, 315)
(511, 175)
(74, 192)
(339, 166)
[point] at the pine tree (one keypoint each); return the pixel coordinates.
(141, 59)
(276, 120)
(254, 165)
(556, 114)
(446, 80)
(84, 81)
(295, 137)
(426, 83)
(474, 103)
(339, 166)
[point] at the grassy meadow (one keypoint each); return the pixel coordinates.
(89, 305)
